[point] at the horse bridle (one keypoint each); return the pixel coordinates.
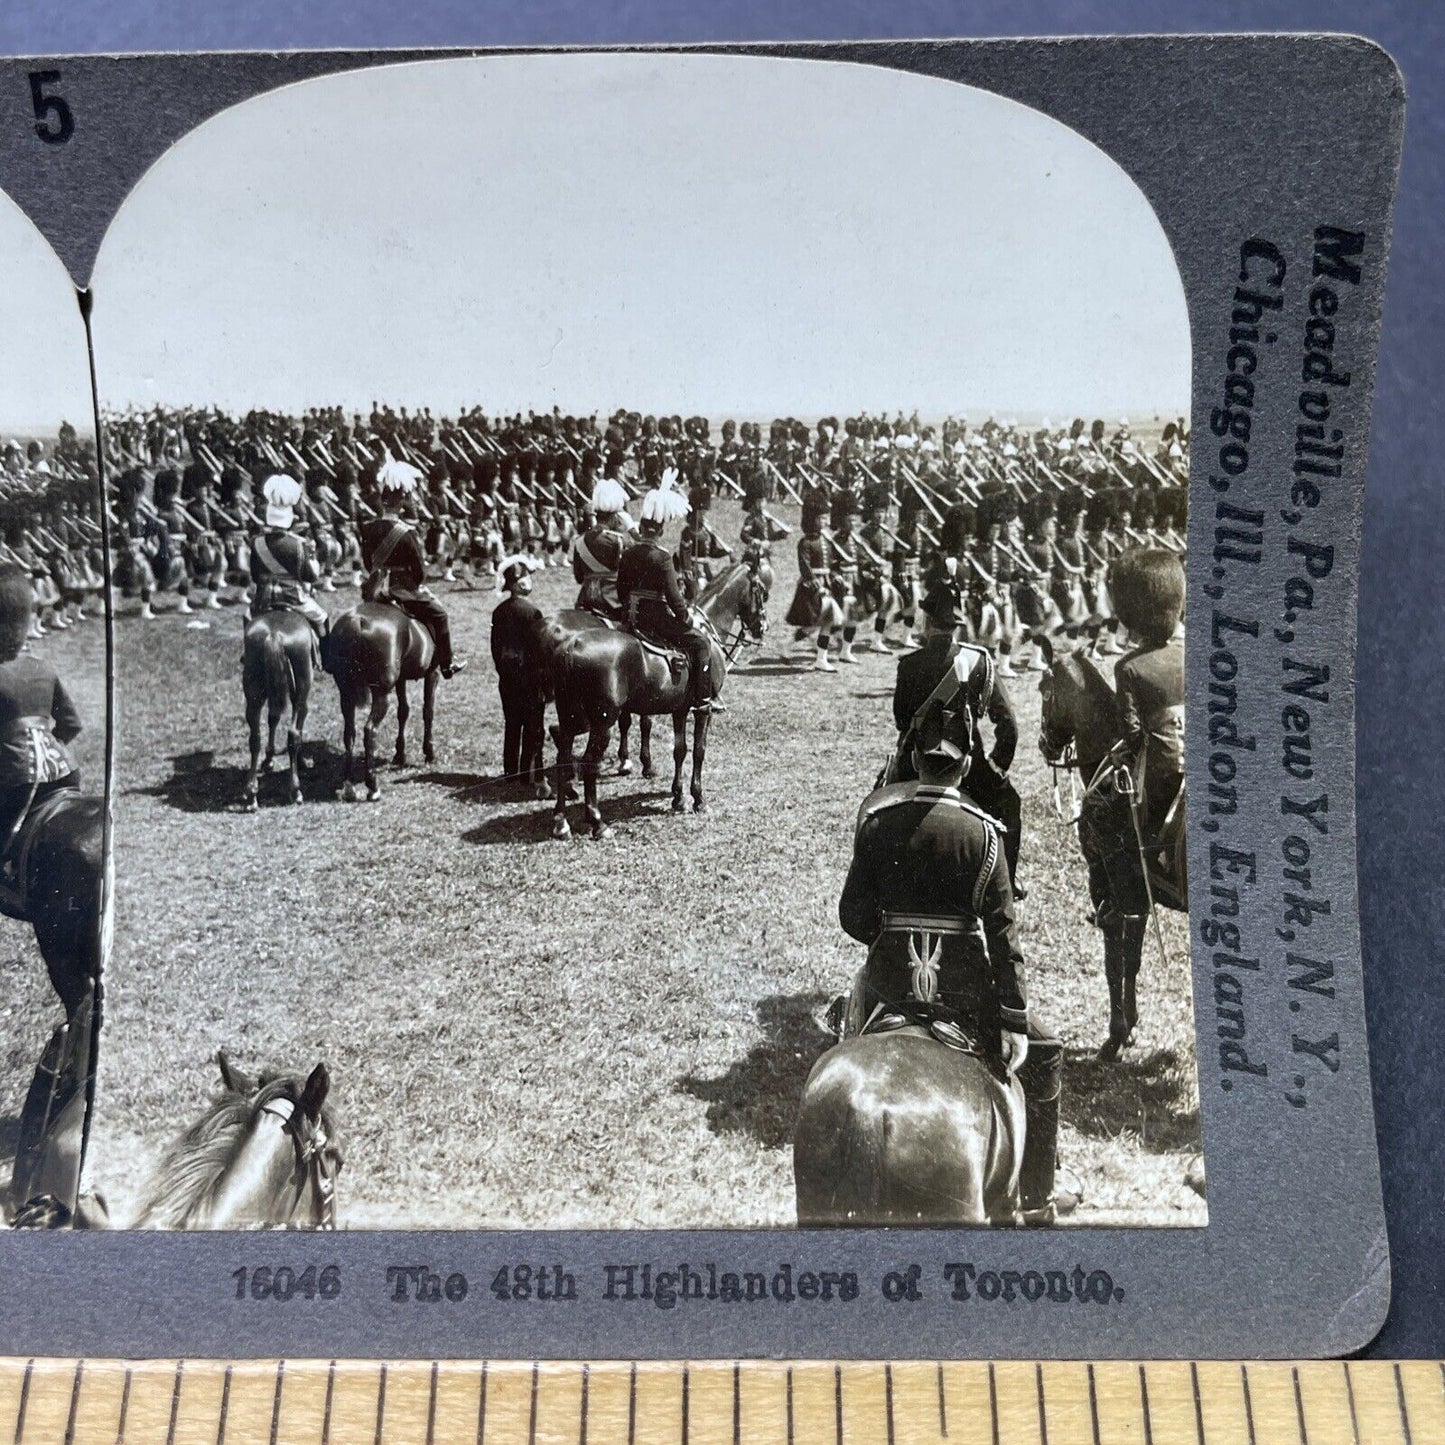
(313, 1162)
(1063, 760)
(736, 640)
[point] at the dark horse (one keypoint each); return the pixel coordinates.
(59, 862)
(276, 669)
(373, 651)
(265, 1155)
(1081, 728)
(897, 1128)
(596, 673)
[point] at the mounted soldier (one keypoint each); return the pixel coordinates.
(962, 676)
(651, 594)
(597, 553)
(926, 893)
(283, 565)
(391, 552)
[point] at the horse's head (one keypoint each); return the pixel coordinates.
(1079, 713)
(754, 612)
(265, 1156)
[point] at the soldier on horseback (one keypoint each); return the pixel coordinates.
(597, 553)
(37, 720)
(946, 668)
(391, 552)
(283, 565)
(651, 594)
(926, 893)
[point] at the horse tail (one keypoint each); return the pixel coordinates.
(276, 669)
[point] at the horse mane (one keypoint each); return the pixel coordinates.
(185, 1183)
(720, 582)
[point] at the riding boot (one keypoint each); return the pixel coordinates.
(1131, 955)
(1114, 977)
(1042, 1081)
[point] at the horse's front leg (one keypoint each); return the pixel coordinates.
(428, 714)
(564, 740)
(592, 758)
(403, 711)
(294, 738)
(253, 722)
(679, 756)
(644, 744)
(701, 718)
(379, 703)
(348, 740)
(624, 733)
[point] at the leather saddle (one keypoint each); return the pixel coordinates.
(675, 657)
(937, 1020)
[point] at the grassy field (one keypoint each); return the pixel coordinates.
(525, 1033)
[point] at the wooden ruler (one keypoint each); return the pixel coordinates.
(357, 1402)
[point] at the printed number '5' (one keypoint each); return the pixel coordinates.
(54, 123)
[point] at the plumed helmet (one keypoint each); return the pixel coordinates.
(664, 503)
(282, 493)
(609, 496)
(396, 478)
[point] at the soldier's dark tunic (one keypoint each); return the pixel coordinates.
(404, 566)
(813, 583)
(37, 721)
(282, 569)
(515, 623)
(926, 862)
(986, 780)
(1150, 684)
(653, 604)
(596, 556)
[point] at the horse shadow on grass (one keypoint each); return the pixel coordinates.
(535, 823)
(1147, 1096)
(199, 784)
(758, 1095)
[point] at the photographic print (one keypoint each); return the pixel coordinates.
(649, 665)
(52, 736)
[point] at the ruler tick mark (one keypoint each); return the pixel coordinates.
(431, 1407)
(175, 1402)
(276, 1401)
(888, 1398)
(1043, 1414)
(582, 1422)
(532, 1408)
(326, 1412)
(1404, 1413)
(1093, 1405)
(225, 1407)
(1350, 1396)
(1299, 1408)
(24, 1401)
(1248, 1402)
(124, 1409)
(482, 1406)
(1144, 1406)
(1198, 1402)
(380, 1405)
(74, 1402)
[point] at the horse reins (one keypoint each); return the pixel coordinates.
(311, 1167)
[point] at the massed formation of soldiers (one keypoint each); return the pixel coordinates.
(1025, 520)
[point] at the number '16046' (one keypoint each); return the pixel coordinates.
(284, 1283)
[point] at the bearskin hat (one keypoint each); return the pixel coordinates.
(1143, 510)
(167, 486)
(1038, 511)
(1071, 505)
(958, 524)
(996, 509)
(1146, 586)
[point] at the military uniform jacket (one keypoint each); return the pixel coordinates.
(405, 563)
(928, 882)
(813, 563)
(920, 672)
(280, 564)
(597, 553)
(649, 590)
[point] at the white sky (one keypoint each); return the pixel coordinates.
(44, 372)
(679, 233)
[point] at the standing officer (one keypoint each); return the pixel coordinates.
(515, 624)
(927, 894)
